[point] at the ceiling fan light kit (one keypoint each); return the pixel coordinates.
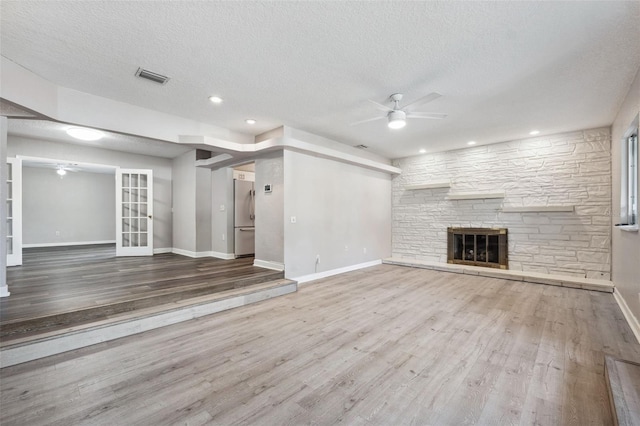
(397, 117)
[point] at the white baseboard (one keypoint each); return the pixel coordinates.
(81, 243)
(189, 253)
(628, 315)
(220, 255)
(182, 252)
(199, 254)
(311, 277)
(162, 250)
(276, 266)
(4, 291)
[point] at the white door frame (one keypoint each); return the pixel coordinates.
(134, 212)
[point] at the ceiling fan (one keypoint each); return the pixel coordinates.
(397, 116)
(62, 169)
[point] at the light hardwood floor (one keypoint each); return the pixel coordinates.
(386, 345)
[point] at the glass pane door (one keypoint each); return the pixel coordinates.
(134, 216)
(14, 211)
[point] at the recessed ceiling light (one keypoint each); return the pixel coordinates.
(471, 143)
(250, 121)
(215, 99)
(61, 171)
(534, 132)
(422, 151)
(85, 134)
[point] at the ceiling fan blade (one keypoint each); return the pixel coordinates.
(423, 100)
(380, 106)
(367, 120)
(434, 116)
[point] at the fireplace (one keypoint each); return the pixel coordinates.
(478, 247)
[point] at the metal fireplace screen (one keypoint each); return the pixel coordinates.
(478, 247)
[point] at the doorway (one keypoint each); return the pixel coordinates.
(244, 210)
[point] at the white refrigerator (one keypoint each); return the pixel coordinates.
(244, 218)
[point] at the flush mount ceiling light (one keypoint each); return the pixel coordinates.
(534, 132)
(215, 99)
(84, 133)
(422, 151)
(471, 143)
(250, 121)
(61, 171)
(397, 119)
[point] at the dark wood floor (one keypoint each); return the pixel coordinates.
(66, 279)
(386, 345)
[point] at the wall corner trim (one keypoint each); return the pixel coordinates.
(628, 315)
(311, 277)
(276, 266)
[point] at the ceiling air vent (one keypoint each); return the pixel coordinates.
(149, 75)
(361, 146)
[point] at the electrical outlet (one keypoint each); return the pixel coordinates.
(223, 237)
(221, 207)
(293, 219)
(57, 233)
(364, 250)
(346, 248)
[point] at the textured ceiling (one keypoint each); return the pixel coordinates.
(503, 68)
(53, 131)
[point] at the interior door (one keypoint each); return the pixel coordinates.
(134, 212)
(14, 211)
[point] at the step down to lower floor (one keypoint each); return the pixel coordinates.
(623, 383)
(30, 347)
(21, 327)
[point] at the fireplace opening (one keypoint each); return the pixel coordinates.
(478, 247)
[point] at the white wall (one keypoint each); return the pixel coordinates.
(192, 198)
(203, 209)
(76, 208)
(270, 208)
(565, 169)
(162, 228)
(340, 211)
(184, 202)
(222, 212)
(626, 245)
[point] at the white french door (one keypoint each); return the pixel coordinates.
(14, 211)
(134, 212)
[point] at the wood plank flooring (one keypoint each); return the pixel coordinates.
(65, 279)
(624, 390)
(386, 345)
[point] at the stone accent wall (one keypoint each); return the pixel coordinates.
(564, 169)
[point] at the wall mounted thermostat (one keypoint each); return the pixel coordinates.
(267, 188)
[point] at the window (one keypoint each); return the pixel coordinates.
(629, 173)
